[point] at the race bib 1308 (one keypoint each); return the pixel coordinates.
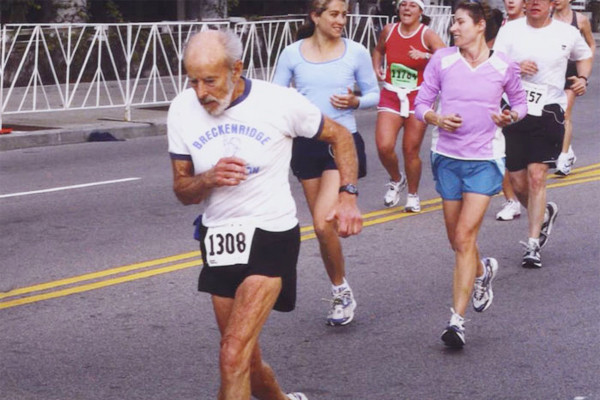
(228, 244)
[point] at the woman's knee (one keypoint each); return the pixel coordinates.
(464, 240)
(411, 151)
(323, 228)
(386, 146)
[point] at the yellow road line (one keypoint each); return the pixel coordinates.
(579, 175)
(576, 176)
(572, 182)
(98, 285)
(99, 274)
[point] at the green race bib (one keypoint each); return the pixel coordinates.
(403, 77)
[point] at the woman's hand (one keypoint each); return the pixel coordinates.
(417, 54)
(449, 123)
(345, 100)
(505, 118)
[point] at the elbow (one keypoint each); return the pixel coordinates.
(182, 199)
(185, 198)
(419, 114)
(185, 201)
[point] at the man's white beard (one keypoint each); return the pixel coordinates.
(223, 103)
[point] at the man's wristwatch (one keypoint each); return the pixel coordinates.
(349, 188)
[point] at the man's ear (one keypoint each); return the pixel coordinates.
(238, 68)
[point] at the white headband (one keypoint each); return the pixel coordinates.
(418, 2)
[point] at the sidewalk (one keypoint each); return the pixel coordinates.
(67, 127)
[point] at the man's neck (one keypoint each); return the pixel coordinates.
(539, 22)
(240, 86)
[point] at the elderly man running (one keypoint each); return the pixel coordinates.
(230, 141)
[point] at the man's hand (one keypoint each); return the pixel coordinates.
(347, 215)
(528, 68)
(578, 85)
(229, 171)
(193, 189)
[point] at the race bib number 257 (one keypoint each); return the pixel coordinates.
(228, 245)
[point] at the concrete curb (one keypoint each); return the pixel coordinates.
(80, 134)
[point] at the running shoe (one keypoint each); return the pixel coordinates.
(454, 334)
(565, 162)
(482, 291)
(296, 396)
(532, 257)
(342, 309)
(413, 203)
(510, 210)
(392, 196)
(549, 219)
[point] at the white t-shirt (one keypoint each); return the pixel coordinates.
(550, 47)
(258, 127)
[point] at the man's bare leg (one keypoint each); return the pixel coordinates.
(240, 321)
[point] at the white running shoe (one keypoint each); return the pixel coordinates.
(296, 396)
(482, 290)
(532, 257)
(413, 203)
(510, 210)
(454, 334)
(392, 196)
(549, 218)
(565, 162)
(342, 308)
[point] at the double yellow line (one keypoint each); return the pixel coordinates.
(132, 272)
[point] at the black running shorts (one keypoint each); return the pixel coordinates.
(535, 139)
(273, 254)
(311, 157)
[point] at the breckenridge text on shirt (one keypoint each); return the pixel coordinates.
(231, 129)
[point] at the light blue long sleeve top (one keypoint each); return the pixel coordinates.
(319, 81)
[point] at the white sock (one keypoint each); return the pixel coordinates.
(534, 242)
(340, 288)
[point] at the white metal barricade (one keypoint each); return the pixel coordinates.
(57, 67)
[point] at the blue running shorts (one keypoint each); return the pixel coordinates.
(453, 177)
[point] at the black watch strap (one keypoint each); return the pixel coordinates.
(349, 188)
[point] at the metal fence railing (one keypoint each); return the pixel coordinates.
(58, 67)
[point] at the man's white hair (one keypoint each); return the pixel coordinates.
(230, 41)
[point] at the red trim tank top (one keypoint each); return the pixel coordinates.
(401, 69)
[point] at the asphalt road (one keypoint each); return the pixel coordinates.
(98, 299)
